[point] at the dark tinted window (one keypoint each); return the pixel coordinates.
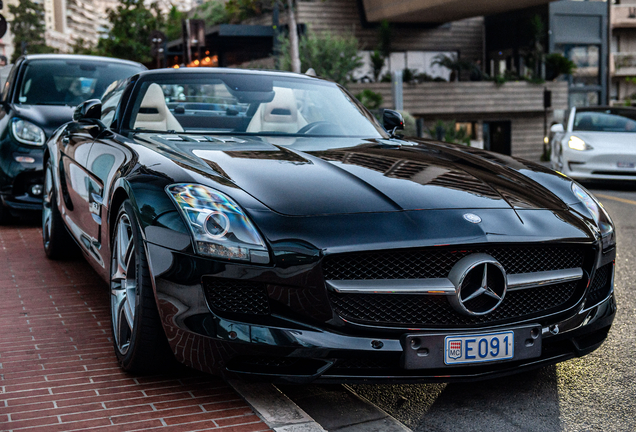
(605, 121)
(70, 81)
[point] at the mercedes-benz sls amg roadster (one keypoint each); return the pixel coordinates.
(266, 225)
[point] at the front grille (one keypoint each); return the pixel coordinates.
(437, 263)
(601, 285)
(236, 296)
(435, 311)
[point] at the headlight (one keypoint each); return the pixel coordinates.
(600, 216)
(27, 133)
(219, 226)
(576, 143)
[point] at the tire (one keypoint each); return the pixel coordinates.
(58, 243)
(139, 340)
(5, 215)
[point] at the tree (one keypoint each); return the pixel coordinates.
(331, 56)
(294, 53)
(452, 62)
(377, 61)
(28, 28)
(213, 12)
(449, 132)
(129, 36)
(81, 46)
(173, 27)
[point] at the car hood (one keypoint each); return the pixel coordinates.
(324, 176)
(48, 117)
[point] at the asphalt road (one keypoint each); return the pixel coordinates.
(593, 393)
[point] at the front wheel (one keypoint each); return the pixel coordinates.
(140, 342)
(58, 243)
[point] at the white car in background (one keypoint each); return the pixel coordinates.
(598, 143)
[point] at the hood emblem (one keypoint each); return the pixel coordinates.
(480, 285)
(472, 218)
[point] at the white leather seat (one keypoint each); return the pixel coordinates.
(154, 114)
(279, 115)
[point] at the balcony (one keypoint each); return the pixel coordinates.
(470, 98)
(439, 11)
(623, 64)
(623, 16)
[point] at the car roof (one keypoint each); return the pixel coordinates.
(606, 108)
(32, 57)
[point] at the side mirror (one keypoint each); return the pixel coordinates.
(88, 110)
(557, 128)
(392, 120)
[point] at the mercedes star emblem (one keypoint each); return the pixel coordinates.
(480, 285)
(472, 218)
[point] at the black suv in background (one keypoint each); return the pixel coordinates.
(39, 96)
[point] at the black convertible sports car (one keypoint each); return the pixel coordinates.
(264, 224)
(39, 96)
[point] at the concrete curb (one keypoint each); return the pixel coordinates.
(276, 409)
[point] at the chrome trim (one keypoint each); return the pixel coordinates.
(533, 280)
(441, 286)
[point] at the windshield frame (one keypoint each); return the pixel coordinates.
(134, 100)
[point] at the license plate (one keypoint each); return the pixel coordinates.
(478, 348)
(625, 164)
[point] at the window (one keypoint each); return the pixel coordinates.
(610, 120)
(586, 59)
(69, 82)
(110, 101)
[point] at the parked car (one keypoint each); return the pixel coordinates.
(264, 224)
(596, 144)
(38, 97)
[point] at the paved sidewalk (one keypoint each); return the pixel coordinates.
(58, 371)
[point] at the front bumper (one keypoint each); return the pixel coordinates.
(21, 170)
(312, 346)
(595, 165)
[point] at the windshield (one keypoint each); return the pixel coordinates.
(69, 82)
(610, 120)
(249, 104)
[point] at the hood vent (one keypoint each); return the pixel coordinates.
(198, 138)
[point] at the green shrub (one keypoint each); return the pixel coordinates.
(333, 57)
(370, 99)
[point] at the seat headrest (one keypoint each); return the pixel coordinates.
(282, 109)
(153, 105)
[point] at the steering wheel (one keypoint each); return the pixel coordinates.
(311, 127)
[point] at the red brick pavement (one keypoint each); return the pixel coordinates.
(58, 371)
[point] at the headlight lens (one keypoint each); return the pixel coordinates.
(576, 143)
(219, 226)
(27, 133)
(599, 214)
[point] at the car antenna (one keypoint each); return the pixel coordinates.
(311, 72)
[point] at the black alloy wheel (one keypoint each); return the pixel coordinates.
(140, 342)
(58, 243)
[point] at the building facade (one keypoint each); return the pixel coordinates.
(623, 58)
